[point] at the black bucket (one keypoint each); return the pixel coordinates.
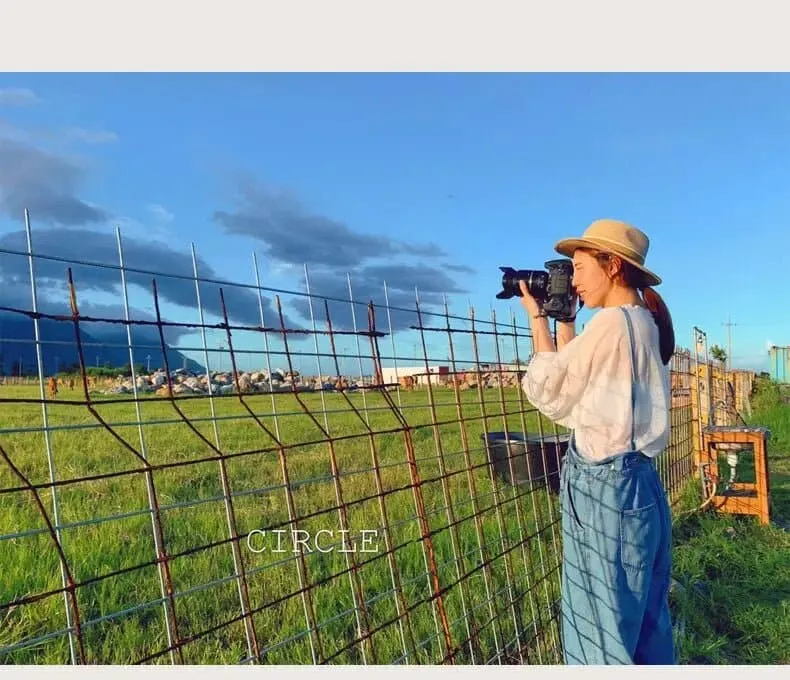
(526, 456)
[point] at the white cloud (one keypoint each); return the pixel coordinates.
(13, 132)
(89, 136)
(278, 269)
(148, 232)
(47, 135)
(17, 96)
(161, 213)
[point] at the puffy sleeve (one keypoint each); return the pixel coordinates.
(588, 378)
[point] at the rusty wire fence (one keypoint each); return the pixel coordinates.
(251, 488)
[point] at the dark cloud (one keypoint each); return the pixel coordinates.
(295, 236)
(85, 245)
(45, 184)
(48, 185)
(54, 301)
(420, 250)
(460, 268)
(331, 249)
(367, 285)
(407, 277)
(141, 334)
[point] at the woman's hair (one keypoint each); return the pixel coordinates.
(632, 277)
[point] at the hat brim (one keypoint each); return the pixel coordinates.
(567, 246)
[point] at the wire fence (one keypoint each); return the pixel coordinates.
(241, 486)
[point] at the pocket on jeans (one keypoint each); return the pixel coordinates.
(640, 532)
(573, 494)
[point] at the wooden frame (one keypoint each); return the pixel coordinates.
(739, 498)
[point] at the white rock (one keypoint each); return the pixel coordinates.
(192, 383)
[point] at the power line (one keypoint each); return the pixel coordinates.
(729, 326)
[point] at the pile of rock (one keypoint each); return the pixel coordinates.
(488, 379)
(185, 382)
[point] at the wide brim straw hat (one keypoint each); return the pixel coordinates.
(617, 238)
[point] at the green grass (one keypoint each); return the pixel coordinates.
(519, 539)
(734, 574)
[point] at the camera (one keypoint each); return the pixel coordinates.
(552, 289)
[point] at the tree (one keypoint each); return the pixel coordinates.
(718, 353)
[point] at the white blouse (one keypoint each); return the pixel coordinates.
(586, 385)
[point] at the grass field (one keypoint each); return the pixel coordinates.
(496, 546)
(508, 587)
(734, 573)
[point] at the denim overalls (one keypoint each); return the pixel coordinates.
(617, 559)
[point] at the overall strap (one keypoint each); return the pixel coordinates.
(633, 375)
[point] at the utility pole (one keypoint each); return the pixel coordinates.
(729, 325)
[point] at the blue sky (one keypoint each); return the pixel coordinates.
(398, 176)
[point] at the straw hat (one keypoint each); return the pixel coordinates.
(614, 237)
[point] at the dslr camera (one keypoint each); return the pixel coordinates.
(552, 289)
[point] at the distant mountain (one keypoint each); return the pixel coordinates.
(59, 347)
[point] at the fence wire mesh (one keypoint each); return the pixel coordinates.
(239, 487)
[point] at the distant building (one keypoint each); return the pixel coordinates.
(779, 368)
(439, 375)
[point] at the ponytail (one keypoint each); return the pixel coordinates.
(666, 331)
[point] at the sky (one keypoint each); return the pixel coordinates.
(423, 181)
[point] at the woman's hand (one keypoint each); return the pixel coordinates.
(527, 301)
(574, 303)
(541, 336)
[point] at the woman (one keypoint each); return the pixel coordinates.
(610, 386)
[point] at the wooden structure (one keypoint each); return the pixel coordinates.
(742, 498)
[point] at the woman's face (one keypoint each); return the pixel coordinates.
(590, 279)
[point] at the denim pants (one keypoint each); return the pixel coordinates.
(616, 531)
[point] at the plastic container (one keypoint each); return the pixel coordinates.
(526, 455)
